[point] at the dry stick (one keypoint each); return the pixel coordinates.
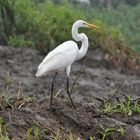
(74, 83)
(21, 105)
(120, 86)
(46, 127)
(76, 79)
(19, 91)
(124, 95)
(132, 100)
(21, 126)
(18, 95)
(135, 100)
(102, 100)
(9, 117)
(60, 92)
(6, 89)
(8, 80)
(51, 130)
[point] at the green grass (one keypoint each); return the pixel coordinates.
(45, 25)
(35, 132)
(105, 132)
(126, 106)
(3, 130)
(59, 136)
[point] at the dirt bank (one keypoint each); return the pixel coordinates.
(98, 78)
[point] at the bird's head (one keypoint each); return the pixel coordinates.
(82, 23)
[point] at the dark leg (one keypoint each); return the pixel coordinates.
(69, 92)
(52, 91)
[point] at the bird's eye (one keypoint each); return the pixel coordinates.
(84, 23)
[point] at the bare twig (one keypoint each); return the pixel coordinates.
(124, 95)
(102, 100)
(51, 130)
(19, 91)
(76, 79)
(136, 98)
(117, 90)
(21, 105)
(59, 92)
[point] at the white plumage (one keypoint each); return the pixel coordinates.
(58, 59)
(65, 54)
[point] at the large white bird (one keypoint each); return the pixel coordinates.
(63, 56)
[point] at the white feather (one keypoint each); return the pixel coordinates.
(58, 59)
(65, 54)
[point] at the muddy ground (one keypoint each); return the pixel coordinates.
(29, 97)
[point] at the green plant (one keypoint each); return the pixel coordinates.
(29, 134)
(105, 132)
(33, 133)
(128, 22)
(30, 99)
(5, 98)
(17, 41)
(3, 131)
(38, 26)
(126, 106)
(58, 136)
(91, 138)
(6, 20)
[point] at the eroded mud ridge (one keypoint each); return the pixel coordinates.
(97, 79)
(84, 121)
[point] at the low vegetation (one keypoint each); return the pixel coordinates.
(104, 133)
(36, 133)
(124, 105)
(44, 25)
(35, 24)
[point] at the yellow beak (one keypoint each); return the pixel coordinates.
(92, 26)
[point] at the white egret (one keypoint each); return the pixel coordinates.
(63, 56)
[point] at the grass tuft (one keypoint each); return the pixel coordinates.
(127, 106)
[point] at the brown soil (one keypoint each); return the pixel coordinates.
(97, 81)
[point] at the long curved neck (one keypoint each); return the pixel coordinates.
(80, 37)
